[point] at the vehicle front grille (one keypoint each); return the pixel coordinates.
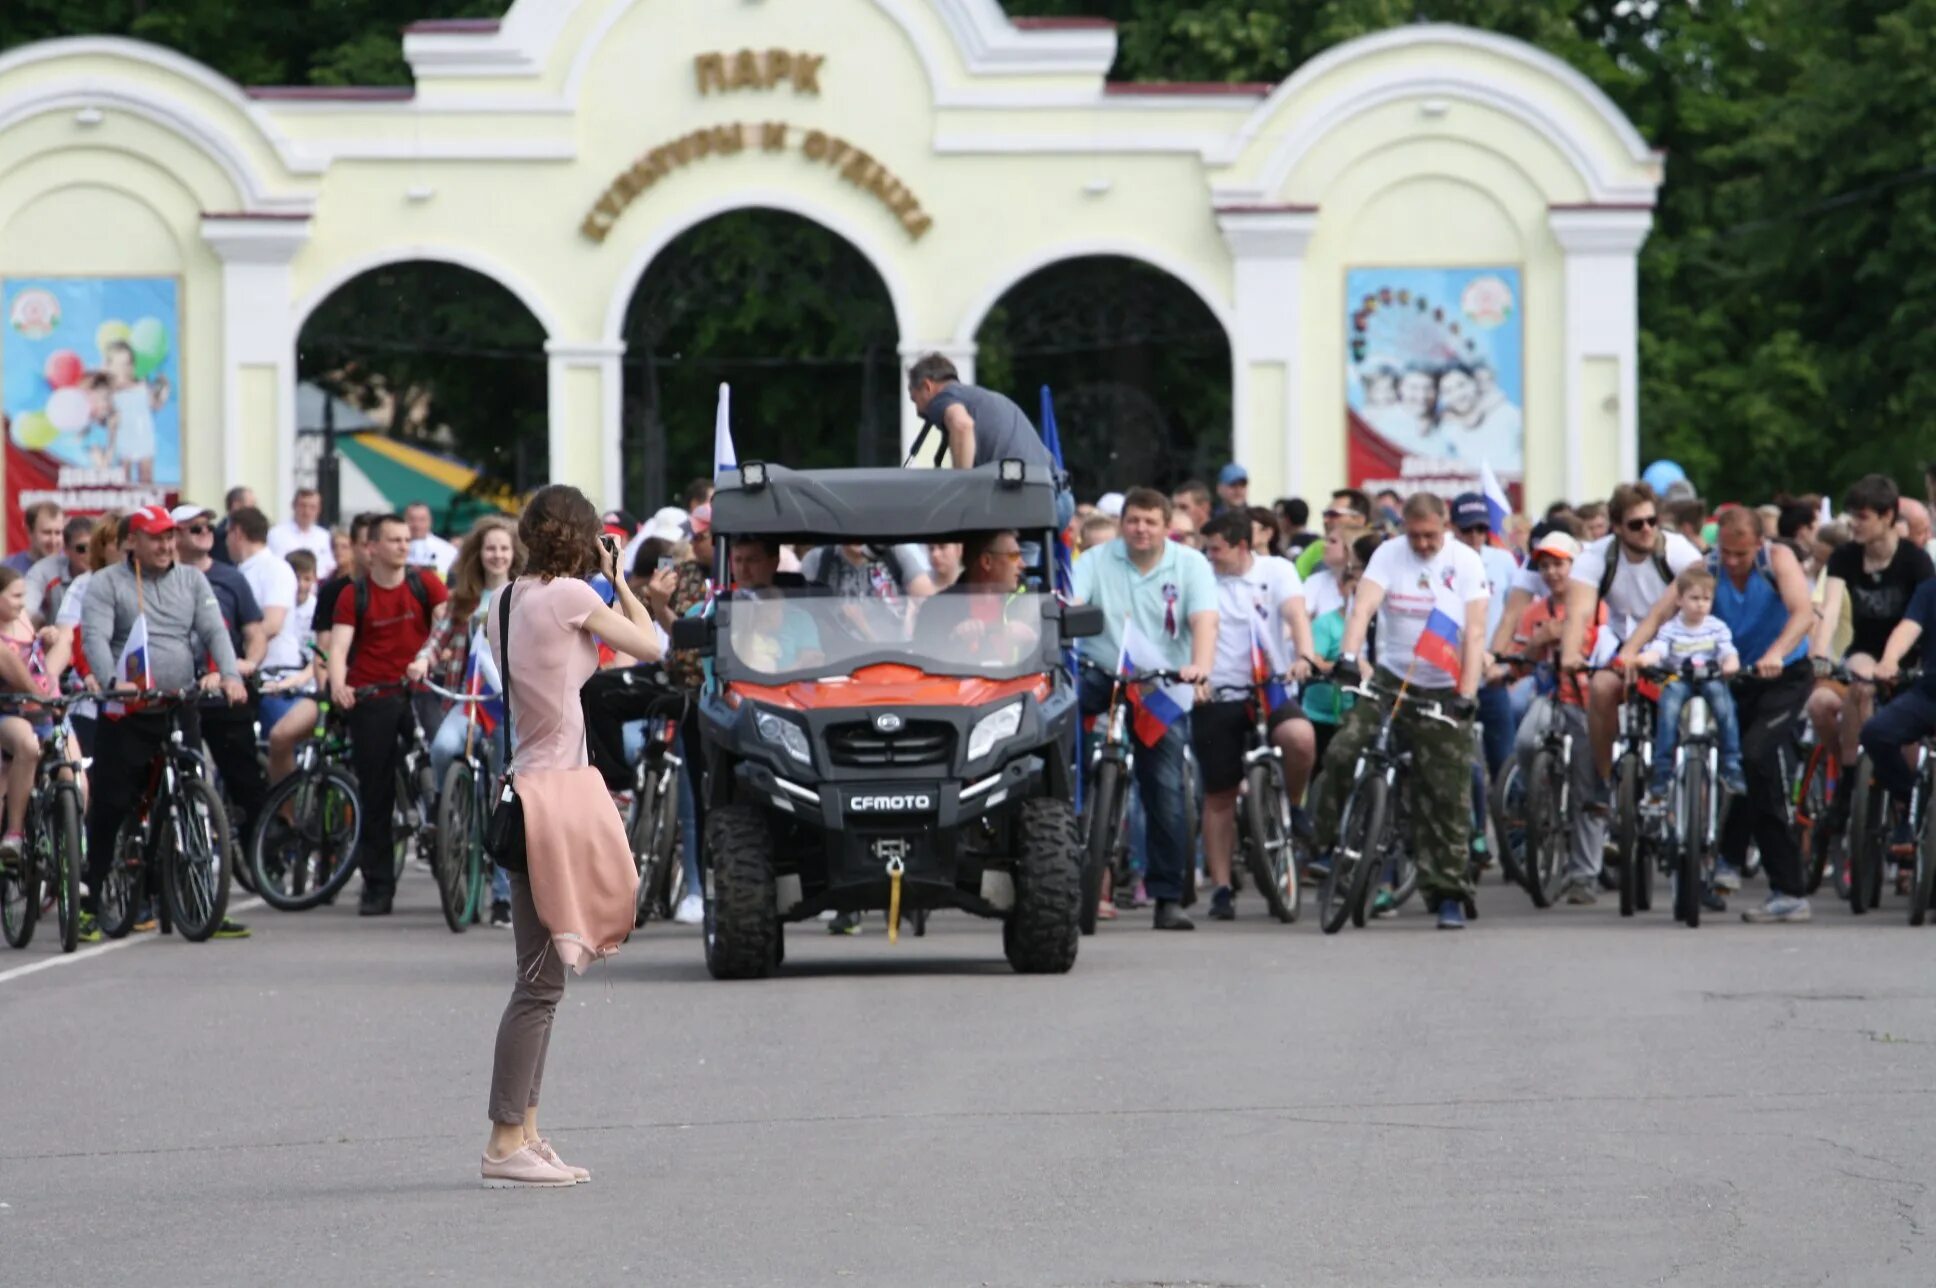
(861, 746)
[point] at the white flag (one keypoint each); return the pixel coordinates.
(724, 457)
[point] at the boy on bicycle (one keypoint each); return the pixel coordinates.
(1910, 716)
(1694, 635)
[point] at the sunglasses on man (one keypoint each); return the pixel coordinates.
(1641, 523)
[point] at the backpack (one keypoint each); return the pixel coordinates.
(361, 586)
(1615, 559)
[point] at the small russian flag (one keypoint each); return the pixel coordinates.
(1439, 644)
(480, 680)
(1275, 694)
(1163, 705)
(1498, 508)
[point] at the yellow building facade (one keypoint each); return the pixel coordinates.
(559, 150)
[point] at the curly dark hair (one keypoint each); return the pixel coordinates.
(560, 529)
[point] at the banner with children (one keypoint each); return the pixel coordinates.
(90, 394)
(1434, 378)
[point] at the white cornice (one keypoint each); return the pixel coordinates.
(1267, 234)
(1599, 230)
(245, 239)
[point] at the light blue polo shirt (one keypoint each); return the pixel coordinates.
(1160, 601)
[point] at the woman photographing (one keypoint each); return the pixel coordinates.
(574, 904)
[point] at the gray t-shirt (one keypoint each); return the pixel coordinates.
(1002, 430)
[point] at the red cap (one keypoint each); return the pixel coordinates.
(701, 519)
(152, 519)
(617, 530)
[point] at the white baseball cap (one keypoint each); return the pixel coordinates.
(1560, 545)
(1111, 504)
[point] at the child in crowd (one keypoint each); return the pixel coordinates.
(1097, 530)
(1323, 701)
(1695, 635)
(281, 692)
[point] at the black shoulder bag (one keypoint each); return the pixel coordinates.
(504, 832)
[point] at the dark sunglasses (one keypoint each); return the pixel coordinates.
(1477, 529)
(200, 529)
(1642, 524)
(1337, 514)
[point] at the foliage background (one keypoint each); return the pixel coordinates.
(1788, 297)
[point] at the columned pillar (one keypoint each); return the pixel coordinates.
(258, 360)
(586, 393)
(1267, 245)
(962, 355)
(1602, 345)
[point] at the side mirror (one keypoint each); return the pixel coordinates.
(1080, 621)
(693, 635)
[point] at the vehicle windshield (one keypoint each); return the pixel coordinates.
(804, 633)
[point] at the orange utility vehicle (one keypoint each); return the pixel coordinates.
(872, 751)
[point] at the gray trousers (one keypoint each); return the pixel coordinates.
(524, 1034)
(1586, 849)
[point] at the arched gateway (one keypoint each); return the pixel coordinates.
(1421, 246)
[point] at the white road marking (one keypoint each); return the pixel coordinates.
(96, 950)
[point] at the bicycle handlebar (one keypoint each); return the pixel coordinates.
(1432, 710)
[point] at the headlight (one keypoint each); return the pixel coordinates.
(992, 728)
(783, 733)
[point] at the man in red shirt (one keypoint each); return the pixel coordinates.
(380, 634)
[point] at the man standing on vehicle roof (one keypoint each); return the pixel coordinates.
(381, 630)
(1429, 595)
(1762, 596)
(981, 425)
(1170, 593)
(184, 625)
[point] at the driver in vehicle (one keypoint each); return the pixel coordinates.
(772, 635)
(981, 616)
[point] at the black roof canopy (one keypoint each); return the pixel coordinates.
(881, 505)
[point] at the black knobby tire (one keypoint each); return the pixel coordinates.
(1099, 829)
(303, 862)
(1633, 864)
(654, 839)
(1922, 895)
(459, 861)
(1813, 803)
(125, 885)
(65, 847)
(1041, 933)
(1687, 882)
(198, 868)
(1268, 851)
(1357, 856)
(20, 899)
(1545, 828)
(742, 916)
(1868, 807)
(1506, 802)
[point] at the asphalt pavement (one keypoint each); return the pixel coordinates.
(1548, 1098)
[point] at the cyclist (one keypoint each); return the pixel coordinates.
(1170, 592)
(1694, 635)
(1350, 509)
(1875, 575)
(46, 525)
(1761, 595)
(183, 624)
(1537, 636)
(1628, 571)
(299, 720)
(229, 732)
(380, 634)
(48, 579)
(1429, 597)
(1910, 716)
(44, 654)
(1257, 598)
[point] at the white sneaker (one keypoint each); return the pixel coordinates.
(691, 911)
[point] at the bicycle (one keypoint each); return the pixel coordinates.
(1809, 801)
(303, 849)
(414, 802)
(1369, 830)
(1636, 847)
(1691, 826)
(174, 847)
(1532, 810)
(1264, 833)
(1871, 818)
(469, 787)
(50, 856)
(653, 825)
(1105, 812)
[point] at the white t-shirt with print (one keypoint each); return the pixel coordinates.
(1448, 581)
(1322, 594)
(1636, 587)
(1255, 598)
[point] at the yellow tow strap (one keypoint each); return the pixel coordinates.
(895, 867)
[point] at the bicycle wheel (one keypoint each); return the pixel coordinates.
(1868, 809)
(1812, 801)
(125, 885)
(460, 853)
(1360, 840)
(20, 899)
(1099, 840)
(1922, 896)
(1508, 808)
(304, 859)
(655, 836)
(1267, 842)
(66, 870)
(197, 857)
(1634, 866)
(1688, 873)
(1545, 828)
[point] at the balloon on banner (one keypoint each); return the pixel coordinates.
(63, 368)
(150, 340)
(67, 409)
(108, 333)
(33, 431)
(1661, 474)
